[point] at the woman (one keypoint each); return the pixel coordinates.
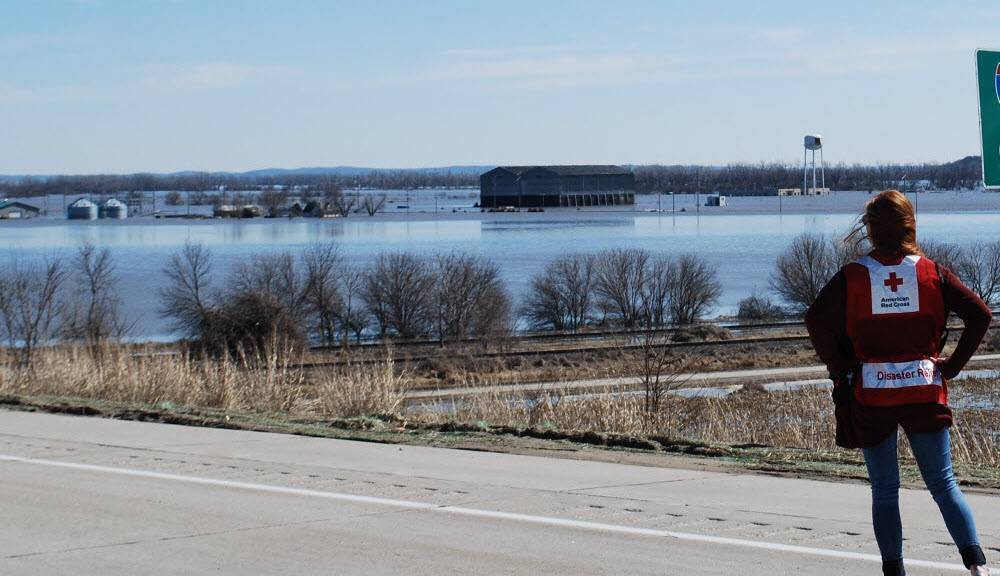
(879, 326)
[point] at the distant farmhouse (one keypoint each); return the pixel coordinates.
(556, 186)
(14, 210)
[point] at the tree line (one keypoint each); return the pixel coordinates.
(766, 178)
(810, 260)
(733, 179)
(286, 301)
(31, 186)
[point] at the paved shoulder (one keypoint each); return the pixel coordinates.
(96, 496)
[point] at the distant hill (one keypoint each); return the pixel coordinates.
(338, 171)
(968, 163)
(359, 171)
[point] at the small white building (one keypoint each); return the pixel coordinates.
(716, 200)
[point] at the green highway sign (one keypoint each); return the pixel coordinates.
(988, 74)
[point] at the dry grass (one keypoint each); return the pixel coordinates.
(267, 385)
(801, 419)
(118, 375)
(360, 390)
(794, 419)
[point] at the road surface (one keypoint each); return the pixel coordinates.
(95, 496)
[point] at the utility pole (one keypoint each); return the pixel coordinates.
(697, 193)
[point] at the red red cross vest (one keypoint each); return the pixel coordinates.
(895, 318)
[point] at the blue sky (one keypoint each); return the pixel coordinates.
(105, 86)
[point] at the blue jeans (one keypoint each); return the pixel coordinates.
(933, 454)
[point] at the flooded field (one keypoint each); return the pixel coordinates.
(742, 239)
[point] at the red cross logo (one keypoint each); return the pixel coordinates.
(893, 282)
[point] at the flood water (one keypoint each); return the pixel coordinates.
(742, 240)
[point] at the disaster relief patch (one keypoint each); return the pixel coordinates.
(900, 374)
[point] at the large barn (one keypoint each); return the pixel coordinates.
(556, 186)
(14, 210)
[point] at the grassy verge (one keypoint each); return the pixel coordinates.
(833, 465)
(769, 432)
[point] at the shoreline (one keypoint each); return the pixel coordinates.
(648, 205)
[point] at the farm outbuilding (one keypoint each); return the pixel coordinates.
(82, 209)
(14, 210)
(556, 186)
(716, 200)
(113, 209)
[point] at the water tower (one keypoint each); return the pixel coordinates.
(812, 142)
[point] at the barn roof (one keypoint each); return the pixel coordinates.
(16, 204)
(570, 170)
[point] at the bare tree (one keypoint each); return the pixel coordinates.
(694, 288)
(804, 268)
(398, 293)
(373, 205)
(494, 321)
(947, 255)
(322, 296)
(272, 200)
(353, 315)
(185, 299)
(660, 371)
(657, 293)
(469, 297)
(978, 266)
(335, 199)
(276, 275)
(620, 281)
(561, 296)
(94, 313)
(30, 306)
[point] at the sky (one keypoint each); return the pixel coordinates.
(103, 86)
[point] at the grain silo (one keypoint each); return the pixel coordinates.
(114, 210)
(82, 209)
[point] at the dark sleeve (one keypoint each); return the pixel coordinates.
(975, 314)
(826, 321)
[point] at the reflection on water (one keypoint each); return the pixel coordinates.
(743, 246)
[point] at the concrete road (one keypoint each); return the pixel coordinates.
(93, 496)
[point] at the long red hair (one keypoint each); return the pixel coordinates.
(889, 224)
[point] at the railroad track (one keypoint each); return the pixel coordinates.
(580, 336)
(558, 351)
(542, 352)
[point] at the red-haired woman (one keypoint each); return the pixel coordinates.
(879, 325)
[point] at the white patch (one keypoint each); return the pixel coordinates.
(900, 374)
(894, 288)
